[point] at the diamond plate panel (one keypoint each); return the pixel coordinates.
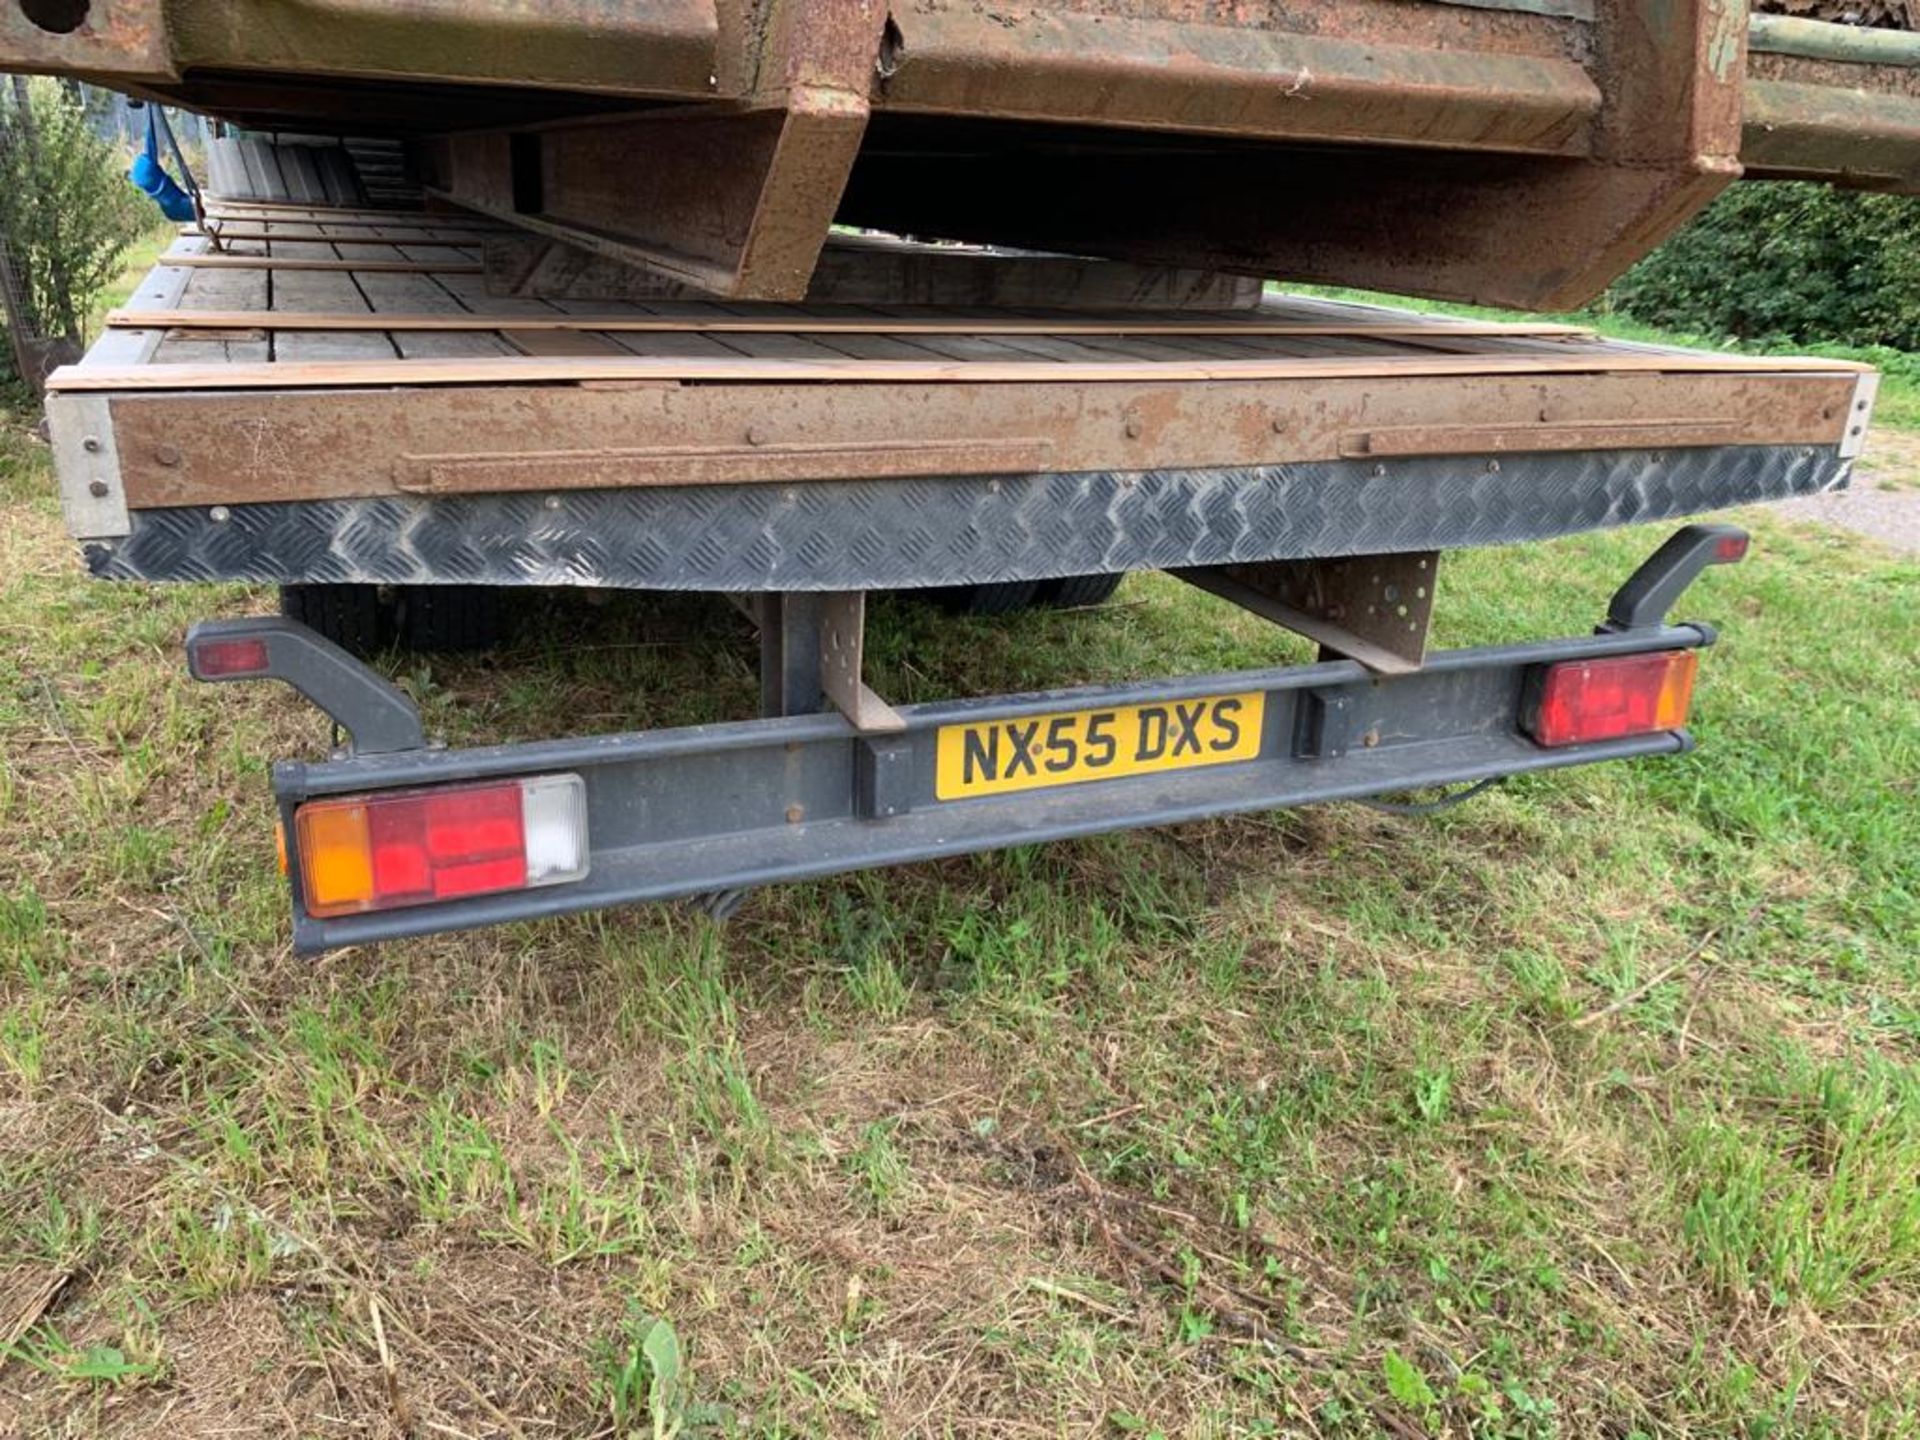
(894, 534)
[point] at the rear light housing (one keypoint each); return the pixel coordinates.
(415, 847)
(1579, 701)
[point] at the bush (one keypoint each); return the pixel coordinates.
(67, 213)
(1787, 261)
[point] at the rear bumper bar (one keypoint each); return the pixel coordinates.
(715, 808)
(712, 810)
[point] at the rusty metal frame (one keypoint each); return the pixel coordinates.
(187, 448)
(735, 199)
(1520, 154)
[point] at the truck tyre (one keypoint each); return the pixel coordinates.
(1000, 598)
(448, 619)
(354, 617)
(1071, 592)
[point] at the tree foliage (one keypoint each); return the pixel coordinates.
(1790, 261)
(67, 213)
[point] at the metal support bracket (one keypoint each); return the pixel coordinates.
(1860, 414)
(87, 462)
(810, 657)
(843, 628)
(375, 712)
(1371, 608)
(1656, 587)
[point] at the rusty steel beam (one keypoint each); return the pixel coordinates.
(1517, 152)
(655, 47)
(1344, 84)
(227, 448)
(736, 200)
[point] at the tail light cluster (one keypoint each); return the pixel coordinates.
(412, 847)
(1578, 701)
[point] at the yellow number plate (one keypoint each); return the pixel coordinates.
(994, 757)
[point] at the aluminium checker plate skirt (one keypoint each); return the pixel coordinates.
(888, 534)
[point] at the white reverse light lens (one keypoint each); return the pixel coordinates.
(553, 809)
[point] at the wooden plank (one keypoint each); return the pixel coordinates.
(161, 291)
(883, 325)
(231, 291)
(301, 290)
(417, 293)
(561, 342)
(867, 269)
(231, 232)
(344, 214)
(242, 262)
(537, 370)
(453, 224)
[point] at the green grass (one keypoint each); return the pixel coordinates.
(1592, 1108)
(1898, 404)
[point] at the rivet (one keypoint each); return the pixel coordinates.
(91, 445)
(1379, 470)
(98, 489)
(795, 814)
(1493, 467)
(1279, 426)
(756, 436)
(168, 455)
(552, 502)
(993, 487)
(219, 514)
(1133, 428)
(1371, 738)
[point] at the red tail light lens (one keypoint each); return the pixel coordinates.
(1585, 700)
(413, 847)
(224, 659)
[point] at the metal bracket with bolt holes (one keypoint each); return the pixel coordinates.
(370, 708)
(1656, 587)
(1370, 608)
(87, 463)
(811, 648)
(843, 624)
(1860, 414)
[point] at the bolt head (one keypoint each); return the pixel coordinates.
(168, 455)
(98, 489)
(91, 445)
(795, 814)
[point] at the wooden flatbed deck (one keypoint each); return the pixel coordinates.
(323, 355)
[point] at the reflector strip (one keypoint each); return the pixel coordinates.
(1587, 700)
(414, 847)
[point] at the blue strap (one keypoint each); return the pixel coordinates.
(150, 176)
